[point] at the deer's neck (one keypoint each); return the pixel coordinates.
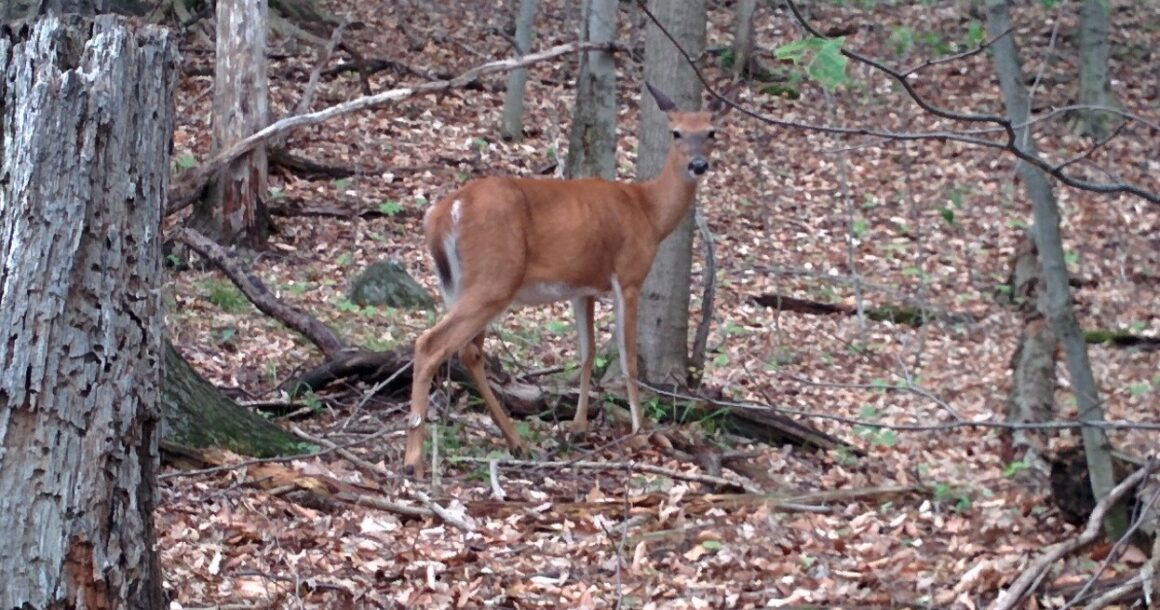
(670, 194)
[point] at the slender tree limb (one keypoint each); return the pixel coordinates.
(194, 181)
(1009, 145)
(1023, 585)
(649, 468)
(701, 338)
(317, 332)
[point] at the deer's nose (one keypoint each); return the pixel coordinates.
(698, 166)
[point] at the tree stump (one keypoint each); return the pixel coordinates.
(87, 116)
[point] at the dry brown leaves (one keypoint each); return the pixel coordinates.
(592, 539)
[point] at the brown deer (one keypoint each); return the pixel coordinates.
(529, 241)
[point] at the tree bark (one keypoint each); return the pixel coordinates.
(1033, 384)
(743, 37)
(234, 211)
(1057, 302)
(87, 120)
(592, 143)
(1094, 83)
(663, 321)
(513, 103)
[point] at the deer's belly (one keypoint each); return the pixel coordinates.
(542, 293)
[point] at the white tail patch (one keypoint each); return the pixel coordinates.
(450, 290)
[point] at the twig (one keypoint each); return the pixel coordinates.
(497, 492)
(1118, 593)
(434, 508)
(183, 194)
(1010, 144)
(701, 338)
(271, 460)
(649, 468)
(1022, 586)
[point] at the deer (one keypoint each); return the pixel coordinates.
(503, 241)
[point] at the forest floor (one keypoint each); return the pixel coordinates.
(936, 518)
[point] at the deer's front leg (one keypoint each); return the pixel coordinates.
(627, 298)
(584, 308)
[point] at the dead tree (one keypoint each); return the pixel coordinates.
(87, 120)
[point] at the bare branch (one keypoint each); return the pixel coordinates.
(260, 296)
(183, 194)
(1010, 145)
(1034, 572)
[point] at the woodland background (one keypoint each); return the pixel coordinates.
(868, 289)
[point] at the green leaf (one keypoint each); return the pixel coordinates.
(829, 67)
(712, 545)
(342, 183)
(859, 228)
(390, 207)
(821, 57)
(948, 215)
(1139, 389)
(902, 38)
(975, 33)
(186, 161)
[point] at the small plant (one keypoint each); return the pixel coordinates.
(347, 306)
(312, 401)
(1014, 468)
(226, 296)
(390, 207)
(184, 162)
(960, 499)
(875, 434)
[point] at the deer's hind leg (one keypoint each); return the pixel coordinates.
(472, 357)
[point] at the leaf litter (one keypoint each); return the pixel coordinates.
(621, 537)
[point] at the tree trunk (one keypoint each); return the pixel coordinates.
(1033, 384)
(1057, 302)
(743, 37)
(663, 322)
(592, 143)
(513, 103)
(199, 415)
(87, 121)
(1094, 84)
(234, 211)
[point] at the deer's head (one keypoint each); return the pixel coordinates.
(694, 133)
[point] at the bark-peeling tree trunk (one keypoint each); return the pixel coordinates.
(592, 143)
(1033, 384)
(234, 211)
(1094, 84)
(87, 120)
(512, 126)
(1057, 302)
(663, 322)
(743, 37)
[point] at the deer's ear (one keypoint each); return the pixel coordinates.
(663, 101)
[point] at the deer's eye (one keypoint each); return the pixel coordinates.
(676, 135)
(712, 134)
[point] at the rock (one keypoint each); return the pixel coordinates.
(387, 283)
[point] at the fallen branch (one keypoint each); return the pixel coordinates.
(317, 332)
(186, 191)
(430, 505)
(626, 466)
(1037, 569)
